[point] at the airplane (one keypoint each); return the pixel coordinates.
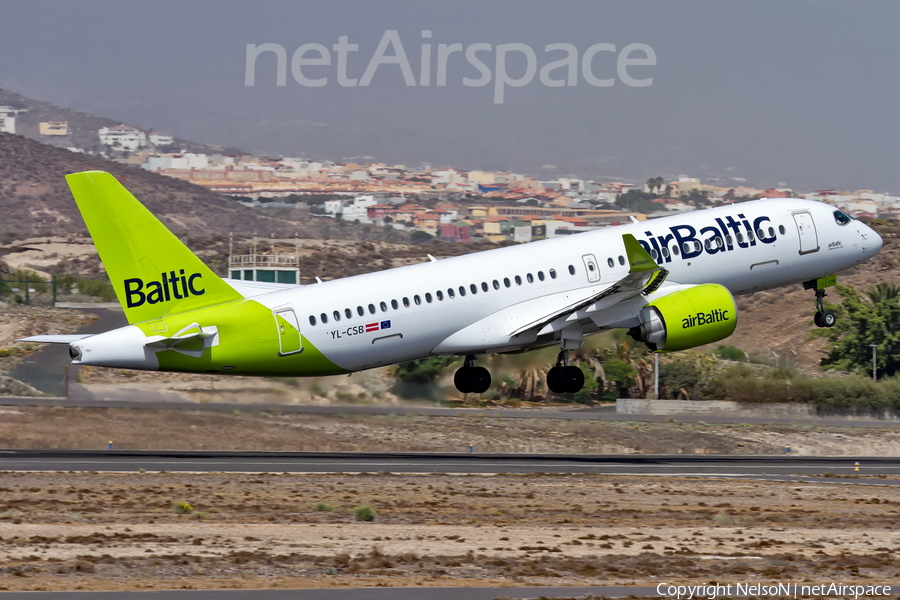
(670, 281)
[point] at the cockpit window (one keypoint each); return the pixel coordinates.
(841, 217)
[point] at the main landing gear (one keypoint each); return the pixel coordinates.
(823, 317)
(564, 378)
(470, 378)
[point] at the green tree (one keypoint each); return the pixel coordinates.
(862, 321)
(416, 378)
(691, 375)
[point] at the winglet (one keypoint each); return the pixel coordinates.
(639, 260)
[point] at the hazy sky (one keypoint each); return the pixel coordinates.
(804, 92)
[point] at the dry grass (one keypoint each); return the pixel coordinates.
(87, 428)
(118, 531)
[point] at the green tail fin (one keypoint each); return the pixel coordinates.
(153, 273)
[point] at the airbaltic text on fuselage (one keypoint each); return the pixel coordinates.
(171, 286)
(717, 315)
(723, 235)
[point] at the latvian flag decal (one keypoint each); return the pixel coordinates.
(377, 326)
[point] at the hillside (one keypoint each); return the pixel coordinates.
(83, 126)
(35, 200)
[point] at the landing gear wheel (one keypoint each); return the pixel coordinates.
(479, 379)
(565, 380)
(828, 318)
(817, 319)
(461, 380)
(555, 380)
(573, 379)
(472, 379)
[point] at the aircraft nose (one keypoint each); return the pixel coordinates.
(871, 241)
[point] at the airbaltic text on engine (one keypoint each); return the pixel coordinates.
(714, 316)
(170, 286)
(745, 236)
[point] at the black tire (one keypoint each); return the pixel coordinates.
(479, 380)
(555, 380)
(829, 318)
(817, 319)
(573, 379)
(462, 380)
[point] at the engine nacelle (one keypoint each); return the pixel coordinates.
(687, 318)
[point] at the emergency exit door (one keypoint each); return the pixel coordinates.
(288, 328)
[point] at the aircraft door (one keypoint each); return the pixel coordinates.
(288, 328)
(590, 265)
(806, 227)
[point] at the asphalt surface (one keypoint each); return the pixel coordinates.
(49, 369)
(774, 468)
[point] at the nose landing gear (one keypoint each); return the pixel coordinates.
(823, 317)
(472, 379)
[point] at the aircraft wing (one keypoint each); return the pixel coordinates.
(56, 339)
(518, 323)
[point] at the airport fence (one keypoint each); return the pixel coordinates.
(31, 292)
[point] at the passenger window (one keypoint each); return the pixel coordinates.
(506, 282)
(324, 317)
(665, 252)
(418, 300)
(552, 273)
(740, 238)
(406, 302)
(541, 275)
(484, 286)
(686, 249)
(621, 260)
(394, 304)
(610, 262)
(530, 278)
(518, 280)
(496, 285)
(337, 316)
(371, 309)
(312, 319)
(450, 293)
(771, 232)
(360, 311)
(653, 254)
(750, 235)
(440, 295)
(348, 313)
(462, 291)
(675, 249)
(781, 229)
(571, 269)
(760, 233)
(729, 240)
(383, 307)
(708, 244)
(474, 288)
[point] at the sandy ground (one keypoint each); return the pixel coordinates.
(92, 428)
(17, 321)
(119, 531)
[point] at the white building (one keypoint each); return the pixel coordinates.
(358, 209)
(122, 137)
(7, 119)
(158, 138)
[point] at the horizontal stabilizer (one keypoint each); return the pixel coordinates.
(56, 339)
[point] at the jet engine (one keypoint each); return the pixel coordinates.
(687, 318)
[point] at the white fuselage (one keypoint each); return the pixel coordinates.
(801, 240)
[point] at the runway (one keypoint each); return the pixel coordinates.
(774, 468)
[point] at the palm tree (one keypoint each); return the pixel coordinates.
(883, 292)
